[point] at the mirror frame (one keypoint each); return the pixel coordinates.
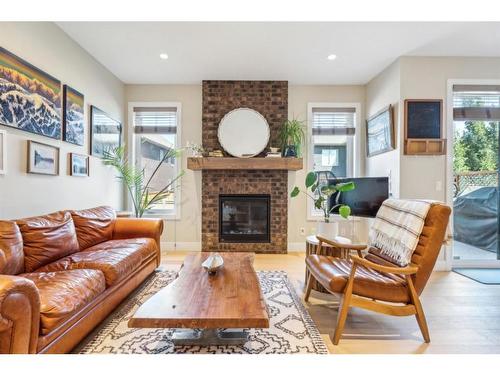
(268, 135)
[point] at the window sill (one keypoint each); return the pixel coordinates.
(170, 217)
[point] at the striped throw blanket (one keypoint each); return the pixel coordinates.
(397, 227)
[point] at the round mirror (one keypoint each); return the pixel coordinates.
(243, 133)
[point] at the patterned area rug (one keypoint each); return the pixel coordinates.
(292, 329)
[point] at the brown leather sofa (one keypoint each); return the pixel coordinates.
(61, 274)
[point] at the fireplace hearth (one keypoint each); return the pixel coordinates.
(244, 218)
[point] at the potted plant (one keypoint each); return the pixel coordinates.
(135, 179)
(292, 136)
(321, 196)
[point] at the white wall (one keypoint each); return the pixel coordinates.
(47, 47)
(381, 91)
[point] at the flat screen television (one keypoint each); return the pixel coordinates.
(365, 199)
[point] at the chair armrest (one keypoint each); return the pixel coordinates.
(408, 270)
(139, 227)
(356, 247)
(19, 315)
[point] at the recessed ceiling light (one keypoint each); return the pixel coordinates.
(332, 57)
(163, 56)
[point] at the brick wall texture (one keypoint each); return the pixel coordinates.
(270, 98)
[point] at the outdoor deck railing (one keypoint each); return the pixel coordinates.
(463, 180)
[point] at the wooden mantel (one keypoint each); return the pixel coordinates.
(290, 164)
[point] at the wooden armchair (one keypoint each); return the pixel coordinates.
(377, 283)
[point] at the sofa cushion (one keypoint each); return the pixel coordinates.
(47, 238)
(62, 294)
(94, 225)
(116, 259)
(11, 248)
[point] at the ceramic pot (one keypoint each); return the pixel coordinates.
(327, 230)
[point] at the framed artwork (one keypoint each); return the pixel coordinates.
(3, 152)
(73, 125)
(43, 159)
(105, 132)
(31, 99)
(79, 165)
(423, 118)
(380, 132)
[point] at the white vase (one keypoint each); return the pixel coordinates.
(327, 230)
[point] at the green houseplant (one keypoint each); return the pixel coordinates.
(320, 196)
(138, 186)
(291, 136)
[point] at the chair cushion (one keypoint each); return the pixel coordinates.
(62, 294)
(94, 225)
(116, 258)
(47, 238)
(333, 274)
(11, 249)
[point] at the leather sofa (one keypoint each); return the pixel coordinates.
(62, 274)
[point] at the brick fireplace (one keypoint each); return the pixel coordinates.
(270, 98)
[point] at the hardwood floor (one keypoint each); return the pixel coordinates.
(463, 315)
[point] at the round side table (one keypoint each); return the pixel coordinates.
(312, 247)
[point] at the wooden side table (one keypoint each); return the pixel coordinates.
(312, 247)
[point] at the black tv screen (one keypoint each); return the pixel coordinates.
(365, 199)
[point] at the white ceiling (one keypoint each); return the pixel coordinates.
(276, 51)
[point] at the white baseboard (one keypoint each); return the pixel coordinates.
(441, 265)
(296, 247)
(181, 246)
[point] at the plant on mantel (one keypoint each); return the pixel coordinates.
(138, 186)
(321, 195)
(291, 136)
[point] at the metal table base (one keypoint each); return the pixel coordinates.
(207, 337)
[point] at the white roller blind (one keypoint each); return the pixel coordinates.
(333, 121)
(155, 120)
(476, 102)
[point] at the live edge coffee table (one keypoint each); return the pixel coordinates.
(196, 300)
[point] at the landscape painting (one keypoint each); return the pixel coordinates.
(73, 125)
(42, 158)
(30, 99)
(79, 165)
(380, 132)
(105, 132)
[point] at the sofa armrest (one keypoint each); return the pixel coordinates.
(134, 228)
(19, 315)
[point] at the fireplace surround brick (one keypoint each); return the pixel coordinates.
(270, 98)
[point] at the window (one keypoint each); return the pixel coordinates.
(156, 130)
(331, 129)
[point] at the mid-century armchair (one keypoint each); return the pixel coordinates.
(376, 283)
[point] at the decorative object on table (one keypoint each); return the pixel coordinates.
(196, 150)
(79, 165)
(31, 98)
(213, 263)
(423, 127)
(243, 133)
(321, 194)
(43, 158)
(291, 331)
(105, 133)
(142, 195)
(73, 124)
(3, 152)
(216, 154)
(380, 132)
(292, 136)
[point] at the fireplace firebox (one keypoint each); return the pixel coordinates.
(244, 218)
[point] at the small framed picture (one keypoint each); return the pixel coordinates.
(43, 159)
(3, 152)
(79, 165)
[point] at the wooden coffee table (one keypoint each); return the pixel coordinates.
(196, 300)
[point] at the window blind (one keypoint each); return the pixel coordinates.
(155, 120)
(476, 102)
(333, 121)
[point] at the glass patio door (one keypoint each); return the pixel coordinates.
(476, 122)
